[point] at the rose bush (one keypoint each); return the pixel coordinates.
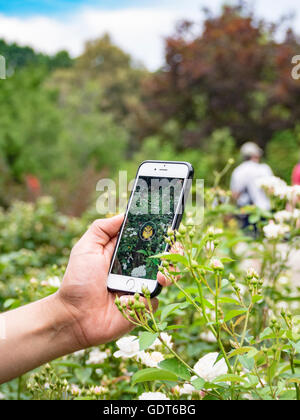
(227, 328)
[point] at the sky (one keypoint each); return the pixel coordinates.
(137, 26)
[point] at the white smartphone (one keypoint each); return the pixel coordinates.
(155, 205)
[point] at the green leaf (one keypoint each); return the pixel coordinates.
(256, 298)
(162, 326)
(239, 351)
(226, 299)
(173, 258)
(226, 260)
(11, 303)
(272, 369)
(229, 378)
(142, 251)
(198, 383)
(153, 374)
(175, 327)
(253, 352)
(83, 374)
(146, 339)
(267, 333)
(295, 346)
(247, 363)
(234, 313)
(175, 366)
(167, 310)
(208, 304)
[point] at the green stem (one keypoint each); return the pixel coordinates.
(151, 312)
(243, 334)
(178, 357)
(293, 371)
(208, 322)
(189, 298)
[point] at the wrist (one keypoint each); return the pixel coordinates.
(35, 334)
(61, 325)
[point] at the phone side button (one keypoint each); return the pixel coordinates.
(130, 284)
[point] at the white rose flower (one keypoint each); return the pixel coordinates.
(283, 216)
(139, 272)
(128, 347)
(283, 280)
(208, 337)
(165, 337)
(148, 396)
(293, 192)
(274, 231)
(150, 359)
(79, 353)
(186, 389)
(2, 396)
(274, 186)
(208, 369)
(296, 214)
(96, 357)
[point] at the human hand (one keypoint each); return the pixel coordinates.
(84, 294)
(81, 314)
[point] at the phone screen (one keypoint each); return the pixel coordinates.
(152, 210)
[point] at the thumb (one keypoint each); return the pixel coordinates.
(106, 229)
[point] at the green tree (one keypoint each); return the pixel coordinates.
(116, 81)
(18, 57)
(283, 152)
(231, 74)
(30, 125)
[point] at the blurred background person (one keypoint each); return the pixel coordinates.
(244, 186)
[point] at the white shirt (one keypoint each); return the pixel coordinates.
(244, 182)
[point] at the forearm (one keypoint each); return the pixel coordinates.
(34, 334)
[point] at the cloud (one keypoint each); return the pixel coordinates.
(139, 31)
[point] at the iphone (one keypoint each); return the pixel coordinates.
(156, 204)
